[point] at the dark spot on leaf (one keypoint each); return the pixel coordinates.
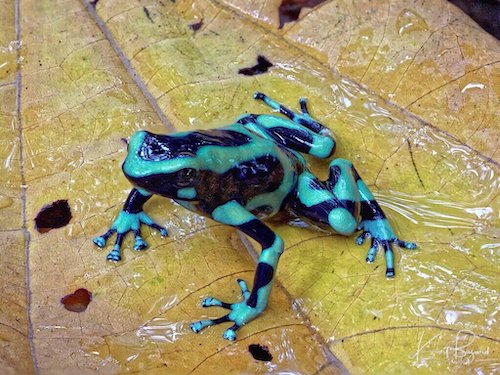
(262, 66)
(78, 301)
(485, 12)
(146, 12)
(374, 317)
(196, 26)
(289, 10)
(54, 215)
(259, 352)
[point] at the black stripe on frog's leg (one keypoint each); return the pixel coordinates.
(371, 210)
(255, 302)
(265, 272)
(333, 176)
(318, 214)
(135, 201)
(248, 119)
(257, 230)
(297, 139)
(263, 276)
(303, 119)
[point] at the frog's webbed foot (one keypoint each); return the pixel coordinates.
(124, 223)
(381, 236)
(241, 313)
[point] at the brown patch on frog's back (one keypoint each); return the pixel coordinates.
(240, 183)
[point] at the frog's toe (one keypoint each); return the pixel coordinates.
(99, 241)
(360, 240)
(139, 243)
(372, 252)
(114, 255)
(406, 245)
(244, 288)
(198, 326)
(258, 95)
(162, 230)
(149, 222)
(230, 333)
(211, 301)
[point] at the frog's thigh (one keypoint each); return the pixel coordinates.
(234, 214)
(295, 136)
(329, 203)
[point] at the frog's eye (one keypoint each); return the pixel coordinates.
(185, 177)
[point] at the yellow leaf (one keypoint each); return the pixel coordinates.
(411, 92)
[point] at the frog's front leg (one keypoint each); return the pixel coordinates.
(254, 302)
(129, 219)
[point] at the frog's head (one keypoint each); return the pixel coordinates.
(161, 164)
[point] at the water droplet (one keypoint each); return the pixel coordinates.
(5, 201)
(409, 21)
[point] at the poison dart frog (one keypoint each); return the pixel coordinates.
(241, 174)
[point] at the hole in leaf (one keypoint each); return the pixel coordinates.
(289, 10)
(260, 352)
(77, 301)
(262, 66)
(54, 215)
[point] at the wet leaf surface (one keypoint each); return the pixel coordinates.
(411, 91)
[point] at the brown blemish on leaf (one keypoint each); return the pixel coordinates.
(196, 26)
(262, 66)
(260, 352)
(77, 301)
(485, 13)
(54, 215)
(148, 15)
(289, 10)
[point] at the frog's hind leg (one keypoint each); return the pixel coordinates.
(254, 302)
(301, 133)
(342, 201)
(333, 203)
(303, 118)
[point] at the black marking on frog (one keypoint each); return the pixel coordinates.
(158, 147)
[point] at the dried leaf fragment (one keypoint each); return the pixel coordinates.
(196, 26)
(289, 10)
(262, 66)
(77, 301)
(54, 215)
(260, 352)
